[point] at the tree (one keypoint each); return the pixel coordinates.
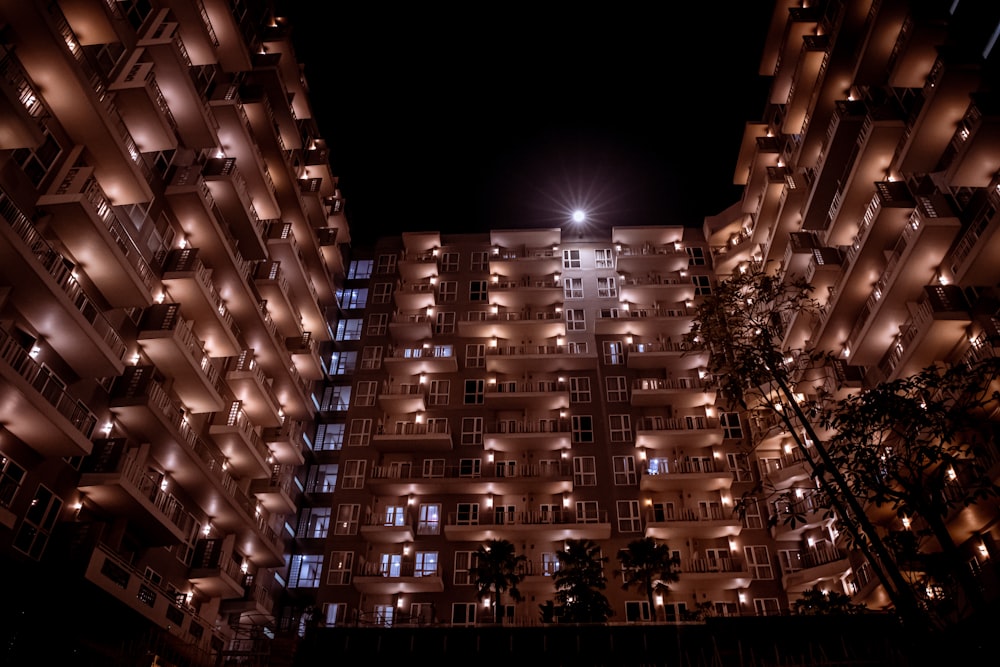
(815, 602)
(579, 582)
(750, 326)
(918, 448)
(649, 567)
(497, 571)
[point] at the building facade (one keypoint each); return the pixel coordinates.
(172, 237)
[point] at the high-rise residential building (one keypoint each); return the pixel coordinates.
(171, 239)
(221, 424)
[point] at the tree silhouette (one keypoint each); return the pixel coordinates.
(649, 567)
(579, 582)
(815, 602)
(497, 571)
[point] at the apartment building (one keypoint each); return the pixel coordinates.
(171, 240)
(531, 385)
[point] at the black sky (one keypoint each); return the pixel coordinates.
(496, 118)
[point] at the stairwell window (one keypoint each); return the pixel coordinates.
(306, 571)
(33, 534)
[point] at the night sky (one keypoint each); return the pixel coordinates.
(496, 118)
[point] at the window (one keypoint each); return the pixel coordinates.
(475, 355)
(365, 395)
(768, 464)
(360, 433)
(472, 430)
(352, 298)
(766, 606)
(480, 260)
(620, 427)
(329, 438)
(426, 564)
(33, 535)
(702, 285)
(349, 329)
(447, 291)
(613, 355)
(438, 393)
(36, 162)
(550, 563)
(636, 612)
(674, 611)
(323, 478)
(347, 519)
(751, 514)
(384, 614)
(628, 516)
(343, 363)
(475, 392)
(467, 514)
(334, 613)
(574, 347)
(731, 425)
(314, 522)
(790, 560)
(306, 571)
(360, 269)
(11, 476)
(575, 320)
(571, 259)
(463, 613)
(378, 324)
(433, 468)
(386, 264)
(429, 519)
(696, 256)
(469, 467)
(606, 288)
(464, 561)
(758, 562)
(584, 471)
(582, 429)
(573, 288)
(341, 563)
(726, 609)
(477, 290)
(579, 390)
(449, 262)
(586, 512)
(354, 474)
(603, 259)
(336, 398)
(663, 512)
(444, 323)
(617, 389)
(382, 293)
(394, 515)
(371, 357)
(739, 465)
(624, 469)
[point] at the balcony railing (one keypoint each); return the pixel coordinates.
(526, 518)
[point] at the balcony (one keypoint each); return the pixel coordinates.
(143, 108)
(253, 388)
(410, 327)
(35, 406)
(543, 293)
(21, 107)
(189, 282)
(553, 526)
(678, 432)
(793, 519)
(814, 565)
(647, 257)
(690, 524)
(276, 493)
(391, 529)
(532, 260)
(538, 324)
(213, 571)
(116, 480)
(409, 436)
(45, 292)
(409, 297)
(630, 319)
(274, 289)
(687, 474)
(236, 436)
(256, 600)
(168, 341)
(538, 358)
(396, 578)
(403, 398)
(285, 247)
(665, 354)
(497, 478)
(543, 435)
(712, 573)
(656, 287)
(423, 359)
(533, 394)
(682, 392)
(794, 469)
(88, 226)
(287, 442)
(418, 267)
(305, 355)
